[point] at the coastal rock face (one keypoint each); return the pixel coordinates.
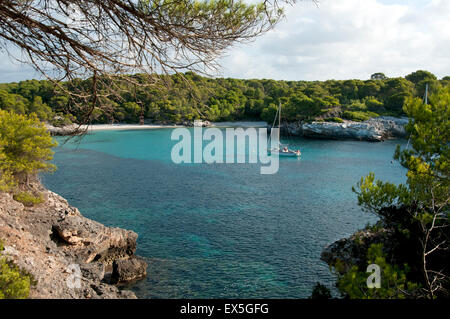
(347, 130)
(375, 129)
(66, 253)
(197, 123)
(294, 128)
(62, 131)
(125, 270)
(391, 127)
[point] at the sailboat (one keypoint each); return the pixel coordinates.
(281, 149)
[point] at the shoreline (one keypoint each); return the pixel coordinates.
(373, 130)
(67, 130)
(112, 127)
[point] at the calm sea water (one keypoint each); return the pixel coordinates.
(222, 230)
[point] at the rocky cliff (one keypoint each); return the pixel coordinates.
(68, 255)
(375, 129)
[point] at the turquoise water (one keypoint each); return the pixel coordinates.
(222, 230)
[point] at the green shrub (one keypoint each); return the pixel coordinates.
(14, 283)
(334, 119)
(325, 111)
(373, 104)
(25, 149)
(7, 181)
(28, 199)
(358, 116)
(320, 292)
(357, 106)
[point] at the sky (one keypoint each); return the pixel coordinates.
(338, 39)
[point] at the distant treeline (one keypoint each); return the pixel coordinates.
(190, 96)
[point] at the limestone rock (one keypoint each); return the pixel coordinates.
(58, 246)
(125, 270)
(347, 130)
(374, 129)
(198, 123)
(94, 271)
(62, 131)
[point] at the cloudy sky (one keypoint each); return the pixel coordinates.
(339, 39)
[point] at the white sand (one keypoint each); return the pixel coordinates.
(108, 127)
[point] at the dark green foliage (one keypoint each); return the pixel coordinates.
(421, 79)
(320, 292)
(416, 213)
(396, 101)
(190, 96)
(445, 81)
(378, 76)
(394, 282)
(420, 75)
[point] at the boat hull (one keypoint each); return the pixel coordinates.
(285, 154)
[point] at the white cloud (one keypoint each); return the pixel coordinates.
(344, 39)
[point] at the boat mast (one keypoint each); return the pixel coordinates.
(279, 118)
(426, 93)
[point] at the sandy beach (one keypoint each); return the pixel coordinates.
(67, 130)
(109, 127)
(105, 127)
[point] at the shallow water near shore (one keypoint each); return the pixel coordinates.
(222, 230)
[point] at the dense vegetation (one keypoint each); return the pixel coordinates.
(190, 96)
(14, 282)
(25, 151)
(414, 217)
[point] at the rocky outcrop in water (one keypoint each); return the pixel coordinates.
(352, 251)
(375, 129)
(58, 246)
(125, 270)
(197, 123)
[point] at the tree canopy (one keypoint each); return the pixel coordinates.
(188, 96)
(25, 150)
